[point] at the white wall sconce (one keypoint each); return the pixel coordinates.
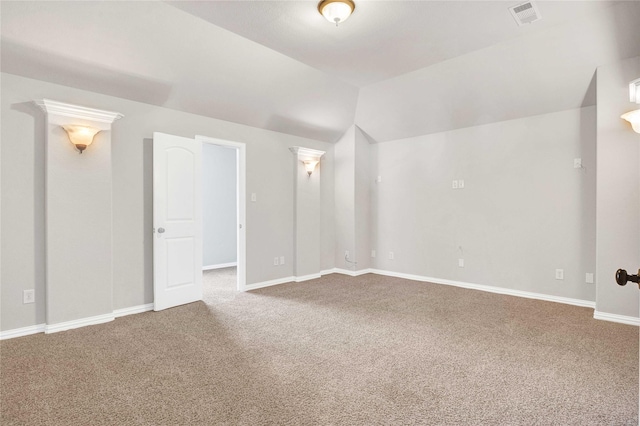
(309, 157)
(310, 165)
(633, 117)
(80, 136)
(336, 11)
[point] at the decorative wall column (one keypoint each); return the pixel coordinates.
(78, 219)
(306, 202)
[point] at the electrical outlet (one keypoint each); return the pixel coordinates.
(559, 274)
(379, 179)
(275, 261)
(589, 278)
(282, 260)
(461, 263)
(28, 296)
(346, 254)
(391, 255)
(373, 253)
(577, 163)
(253, 197)
(454, 184)
(461, 183)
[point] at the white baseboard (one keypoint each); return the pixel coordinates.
(623, 319)
(269, 283)
(69, 325)
(307, 277)
(347, 272)
(490, 289)
(82, 322)
(133, 310)
(23, 331)
(219, 266)
(285, 280)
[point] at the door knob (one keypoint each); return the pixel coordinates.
(160, 230)
(622, 277)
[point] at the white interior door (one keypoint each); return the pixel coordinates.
(177, 220)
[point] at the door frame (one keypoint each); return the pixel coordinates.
(241, 233)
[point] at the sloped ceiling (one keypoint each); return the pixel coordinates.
(395, 68)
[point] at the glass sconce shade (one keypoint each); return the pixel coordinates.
(310, 166)
(80, 136)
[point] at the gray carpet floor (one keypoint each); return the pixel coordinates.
(338, 350)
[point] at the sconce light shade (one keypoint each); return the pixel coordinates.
(81, 136)
(310, 165)
(633, 117)
(336, 11)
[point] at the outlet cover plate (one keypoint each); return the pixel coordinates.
(28, 296)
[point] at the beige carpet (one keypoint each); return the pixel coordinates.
(333, 351)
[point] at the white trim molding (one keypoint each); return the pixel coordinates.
(490, 289)
(622, 319)
(69, 325)
(307, 277)
(219, 266)
(347, 272)
(23, 331)
(306, 153)
(133, 310)
(82, 322)
(76, 111)
(269, 283)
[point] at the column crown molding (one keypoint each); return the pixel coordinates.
(76, 111)
(306, 152)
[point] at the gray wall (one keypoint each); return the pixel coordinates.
(269, 221)
(524, 212)
(618, 216)
(344, 190)
(219, 199)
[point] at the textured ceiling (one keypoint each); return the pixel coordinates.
(382, 39)
(395, 68)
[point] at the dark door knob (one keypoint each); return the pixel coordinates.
(622, 277)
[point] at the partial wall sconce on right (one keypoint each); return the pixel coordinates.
(633, 117)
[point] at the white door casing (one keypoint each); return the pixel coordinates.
(177, 220)
(241, 204)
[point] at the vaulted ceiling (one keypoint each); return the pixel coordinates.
(396, 68)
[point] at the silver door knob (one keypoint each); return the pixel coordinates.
(160, 230)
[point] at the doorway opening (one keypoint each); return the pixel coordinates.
(223, 213)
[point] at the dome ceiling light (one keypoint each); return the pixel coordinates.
(336, 11)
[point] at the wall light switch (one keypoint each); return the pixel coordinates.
(461, 183)
(589, 278)
(373, 253)
(253, 197)
(559, 274)
(391, 255)
(275, 261)
(454, 184)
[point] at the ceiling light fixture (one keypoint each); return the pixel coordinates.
(336, 11)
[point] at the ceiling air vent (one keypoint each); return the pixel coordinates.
(525, 13)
